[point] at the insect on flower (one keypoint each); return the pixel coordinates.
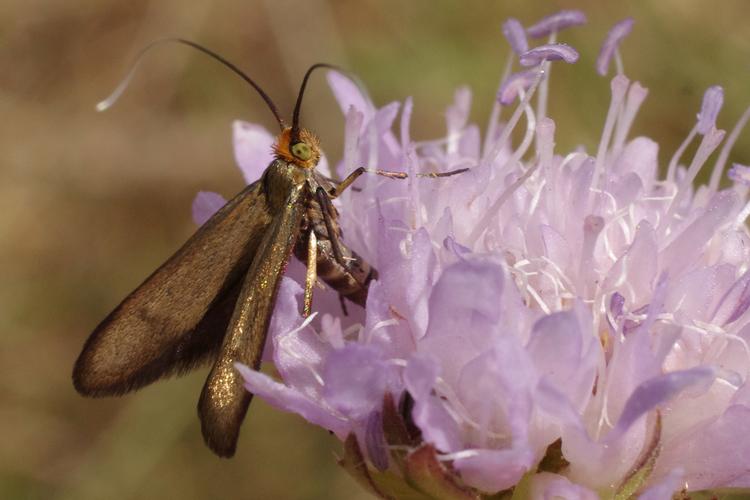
(213, 299)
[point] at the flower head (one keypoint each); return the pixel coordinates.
(564, 324)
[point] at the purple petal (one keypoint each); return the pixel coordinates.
(353, 123)
(549, 52)
(640, 156)
(666, 487)
(658, 390)
(556, 22)
(356, 378)
(457, 114)
(375, 443)
(409, 279)
(559, 353)
(634, 361)
(406, 122)
(699, 291)
(286, 316)
(552, 333)
(288, 399)
(516, 36)
(417, 291)
(514, 84)
(580, 180)
(324, 167)
(297, 354)
(464, 317)
(689, 244)
(556, 247)
(578, 446)
(453, 294)
(349, 95)
(739, 174)
(496, 389)
(438, 427)
(734, 303)
(385, 116)
(713, 99)
(545, 485)
(495, 470)
(715, 454)
(205, 204)
(394, 340)
(253, 149)
(637, 265)
(420, 375)
(614, 37)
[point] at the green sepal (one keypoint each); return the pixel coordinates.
(354, 463)
(522, 489)
(394, 486)
(384, 484)
(637, 478)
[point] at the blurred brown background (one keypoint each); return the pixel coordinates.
(90, 202)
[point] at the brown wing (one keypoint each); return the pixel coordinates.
(224, 400)
(179, 314)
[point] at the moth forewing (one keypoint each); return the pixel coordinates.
(224, 400)
(173, 320)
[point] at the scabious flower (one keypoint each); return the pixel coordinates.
(556, 325)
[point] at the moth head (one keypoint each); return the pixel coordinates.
(303, 150)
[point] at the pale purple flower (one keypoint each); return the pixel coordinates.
(571, 325)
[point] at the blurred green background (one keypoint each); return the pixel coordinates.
(90, 203)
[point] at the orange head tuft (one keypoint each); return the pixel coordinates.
(305, 152)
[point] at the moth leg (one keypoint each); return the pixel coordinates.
(326, 209)
(343, 185)
(336, 181)
(311, 276)
(435, 175)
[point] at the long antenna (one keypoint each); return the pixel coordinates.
(298, 104)
(115, 95)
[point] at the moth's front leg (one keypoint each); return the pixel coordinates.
(343, 185)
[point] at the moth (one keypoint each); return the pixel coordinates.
(212, 300)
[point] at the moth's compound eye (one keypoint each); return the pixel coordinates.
(301, 151)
